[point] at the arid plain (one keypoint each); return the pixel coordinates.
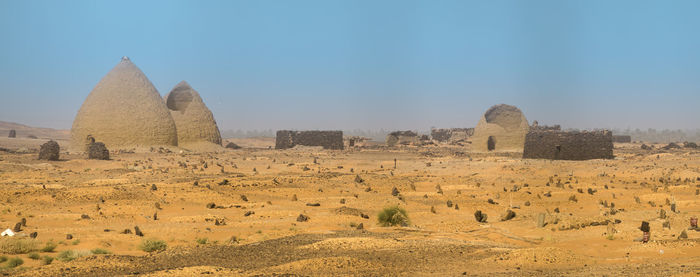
(237, 212)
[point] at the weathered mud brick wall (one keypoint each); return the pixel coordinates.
(557, 145)
(622, 138)
(327, 139)
(444, 135)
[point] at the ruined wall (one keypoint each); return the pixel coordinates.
(327, 139)
(622, 138)
(402, 138)
(451, 134)
(557, 145)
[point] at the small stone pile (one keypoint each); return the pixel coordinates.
(98, 151)
(49, 151)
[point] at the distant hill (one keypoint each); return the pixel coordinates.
(24, 131)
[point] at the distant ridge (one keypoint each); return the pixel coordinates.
(23, 131)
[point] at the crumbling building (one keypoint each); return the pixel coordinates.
(327, 139)
(559, 145)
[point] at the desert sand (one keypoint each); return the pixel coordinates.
(256, 194)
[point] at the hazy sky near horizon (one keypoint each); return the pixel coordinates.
(364, 64)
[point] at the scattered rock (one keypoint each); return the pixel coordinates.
(480, 217)
(244, 198)
(137, 231)
(359, 179)
(84, 216)
(395, 191)
(541, 220)
(508, 215)
(248, 213)
(232, 145)
(18, 227)
(49, 151)
(294, 197)
(98, 151)
(13, 134)
(449, 203)
(313, 204)
(69, 236)
(211, 205)
(644, 227)
(360, 226)
(302, 218)
(153, 187)
(683, 235)
(432, 209)
(33, 235)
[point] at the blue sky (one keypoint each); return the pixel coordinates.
(364, 64)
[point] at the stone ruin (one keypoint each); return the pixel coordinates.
(501, 128)
(536, 127)
(13, 134)
(193, 120)
(622, 138)
(98, 151)
(451, 135)
(355, 141)
(559, 145)
(328, 139)
(124, 110)
(406, 138)
(49, 151)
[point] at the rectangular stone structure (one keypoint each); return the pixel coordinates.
(328, 139)
(558, 145)
(622, 139)
(451, 134)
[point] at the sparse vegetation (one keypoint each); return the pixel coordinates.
(75, 242)
(202, 240)
(33, 256)
(46, 260)
(66, 256)
(14, 262)
(100, 251)
(393, 216)
(150, 245)
(49, 247)
(17, 245)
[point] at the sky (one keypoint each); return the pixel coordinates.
(395, 65)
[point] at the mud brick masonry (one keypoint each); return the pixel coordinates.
(327, 139)
(622, 138)
(558, 145)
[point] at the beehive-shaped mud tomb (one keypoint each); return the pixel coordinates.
(501, 128)
(124, 110)
(195, 122)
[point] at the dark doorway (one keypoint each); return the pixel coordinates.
(491, 143)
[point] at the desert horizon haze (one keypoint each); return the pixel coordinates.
(364, 64)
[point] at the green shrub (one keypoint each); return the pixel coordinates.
(100, 251)
(75, 242)
(17, 245)
(202, 240)
(3, 259)
(46, 260)
(34, 256)
(66, 256)
(14, 262)
(150, 245)
(49, 247)
(393, 216)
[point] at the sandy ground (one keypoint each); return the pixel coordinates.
(253, 191)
